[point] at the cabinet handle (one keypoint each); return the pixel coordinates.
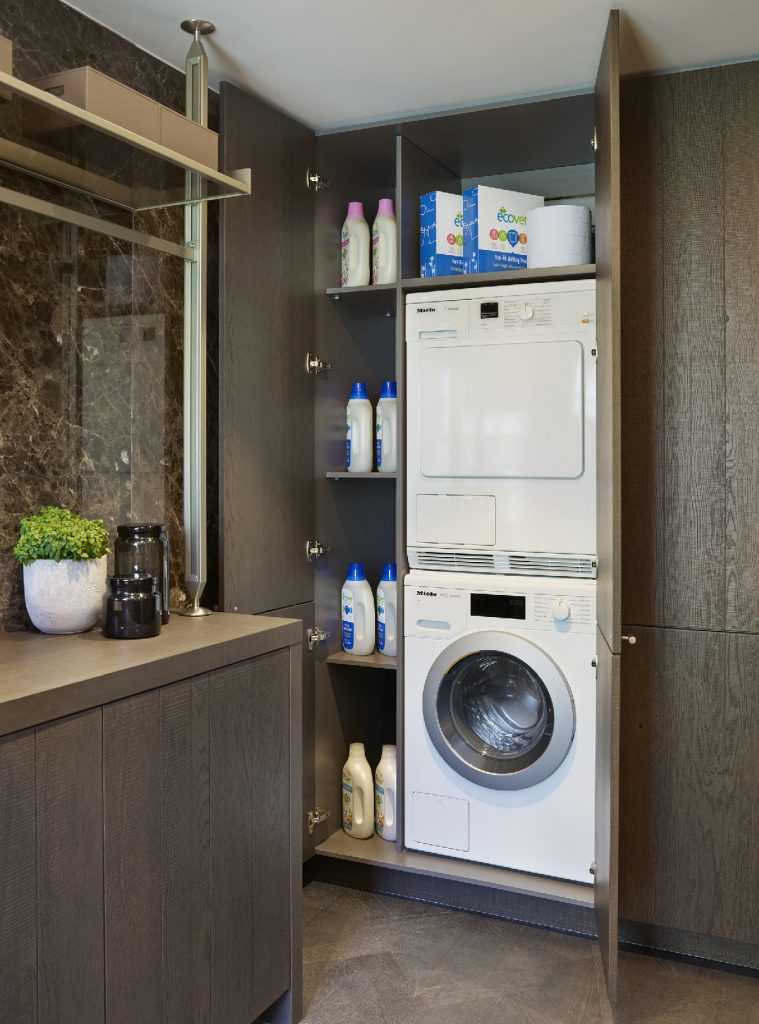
(629, 639)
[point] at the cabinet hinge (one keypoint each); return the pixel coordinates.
(594, 661)
(316, 636)
(592, 868)
(315, 549)
(315, 365)
(317, 817)
(594, 140)
(315, 182)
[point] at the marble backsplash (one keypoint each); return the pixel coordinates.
(90, 334)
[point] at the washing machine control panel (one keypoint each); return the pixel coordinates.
(548, 608)
(441, 611)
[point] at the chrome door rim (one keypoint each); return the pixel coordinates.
(551, 754)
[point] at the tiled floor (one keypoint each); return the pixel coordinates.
(380, 960)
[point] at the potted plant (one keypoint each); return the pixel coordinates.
(64, 560)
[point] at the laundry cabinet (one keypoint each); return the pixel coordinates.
(290, 518)
(150, 865)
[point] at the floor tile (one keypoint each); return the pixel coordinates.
(372, 959)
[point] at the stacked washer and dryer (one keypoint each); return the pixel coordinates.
(500, 602)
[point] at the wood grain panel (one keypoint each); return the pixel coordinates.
(693, 504)
(185, 853)
(293, 999)
(266, 284)
(307, 744)
(156, 856)
(690, 776)
(18, 881)
(69, 794)
(741, 211)
(47, 677)
(608, 306)
(270, 695)
(132, 823)
(642, 354)
(607, 801)
(233, 791)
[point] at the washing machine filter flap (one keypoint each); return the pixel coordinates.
(498, 710)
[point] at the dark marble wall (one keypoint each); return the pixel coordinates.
(90, 333)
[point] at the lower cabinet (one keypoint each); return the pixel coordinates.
(145, 869)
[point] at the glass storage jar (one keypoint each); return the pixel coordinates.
(144, 547)
(131, 607)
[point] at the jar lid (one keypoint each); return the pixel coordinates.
(141, 529)
(137, 583)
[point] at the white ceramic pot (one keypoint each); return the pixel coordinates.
(64, 597)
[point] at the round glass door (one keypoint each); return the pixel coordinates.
(499, 711)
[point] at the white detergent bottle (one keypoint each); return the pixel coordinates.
(387, 611)
(354, 248)
(358, 819)
(384, 244)
(357, 612)
(384, 794)
(387, 428)
(358, 431)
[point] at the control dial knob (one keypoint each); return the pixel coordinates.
(526, 312)
(561, 610)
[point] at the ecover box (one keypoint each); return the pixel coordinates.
(441, 234)
(496, 228)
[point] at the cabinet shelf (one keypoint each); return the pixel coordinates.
(43, 135)
(374, 660)
(379, 852)
(525, 276)
(344, 475)
(378, 297)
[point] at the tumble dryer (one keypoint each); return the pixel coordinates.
(501, 429)
(500, 717)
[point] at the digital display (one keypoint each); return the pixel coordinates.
(488, 310)
(498, 606)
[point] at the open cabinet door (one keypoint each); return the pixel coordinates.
(608, 502)
(266, 400)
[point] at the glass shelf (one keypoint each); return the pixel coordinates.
(52, 139)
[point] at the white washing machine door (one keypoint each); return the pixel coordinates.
(499, 710)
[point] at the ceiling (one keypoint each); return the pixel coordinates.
(340, 62)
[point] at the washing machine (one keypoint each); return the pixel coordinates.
(499, 703)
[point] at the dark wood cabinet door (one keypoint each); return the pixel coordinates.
(266, 398)
(197, 817)
(18, 880)
(250, 824)
(156, 841)
(606, 890)
(608, 317)
(69, 798)
(608, 313)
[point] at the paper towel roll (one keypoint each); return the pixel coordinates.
(558, 236)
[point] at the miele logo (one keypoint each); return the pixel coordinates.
(425, 309)
(426, 593)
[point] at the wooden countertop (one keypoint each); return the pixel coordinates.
(46, 677)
